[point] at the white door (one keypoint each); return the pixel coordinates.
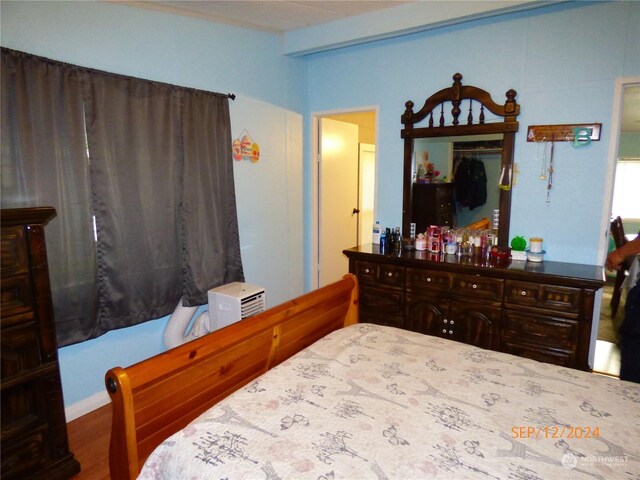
(366, 195)
(338, 197)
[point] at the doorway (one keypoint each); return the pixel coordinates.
(624, 154)
(343, 189)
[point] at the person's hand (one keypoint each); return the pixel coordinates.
(614, 260)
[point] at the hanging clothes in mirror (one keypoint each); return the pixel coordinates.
(470, 180)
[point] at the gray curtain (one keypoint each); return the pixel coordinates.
(44, 163)
(211, 245)
(158, 179)
(133, 136)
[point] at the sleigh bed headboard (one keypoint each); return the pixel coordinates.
(157, 397)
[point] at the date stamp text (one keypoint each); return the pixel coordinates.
(555, 432)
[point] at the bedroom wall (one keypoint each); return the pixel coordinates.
(270, 91)
(563, 61)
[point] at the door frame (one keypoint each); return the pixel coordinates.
(315, 175)
(616, 119)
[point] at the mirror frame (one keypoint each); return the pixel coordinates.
(456, 94)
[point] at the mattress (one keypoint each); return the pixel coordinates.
(374, 402)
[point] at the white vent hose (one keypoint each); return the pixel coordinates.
(175, 334)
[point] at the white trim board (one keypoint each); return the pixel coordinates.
(86, 405)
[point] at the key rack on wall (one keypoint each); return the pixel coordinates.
(578, 133)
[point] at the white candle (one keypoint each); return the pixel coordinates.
(535, 245)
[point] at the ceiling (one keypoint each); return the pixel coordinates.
(277, 16)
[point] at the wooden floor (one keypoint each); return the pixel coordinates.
(89, 442)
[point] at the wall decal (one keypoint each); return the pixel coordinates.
(244, 148)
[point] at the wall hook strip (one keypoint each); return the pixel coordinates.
(583, 132)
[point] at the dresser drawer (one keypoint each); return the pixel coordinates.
(477, 287)
(380, 273)
(543, 330)
(14, 253)
(380, 300)
(16, 295)
(368, 316)
(551, 297)
(541, 354)
(427, 280)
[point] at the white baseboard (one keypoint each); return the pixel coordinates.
(87, 405)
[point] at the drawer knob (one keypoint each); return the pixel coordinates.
(474, 286)
(446, 321)
(366, 270)
(450, 332)
(389, 274)
(523, 293)
(452, 322)
(428, 279)
(444, 330)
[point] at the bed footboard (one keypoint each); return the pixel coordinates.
(157, 397)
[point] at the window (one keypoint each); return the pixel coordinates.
(151, 216)
(626, 192)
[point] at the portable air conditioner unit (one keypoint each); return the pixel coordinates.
(234, 301)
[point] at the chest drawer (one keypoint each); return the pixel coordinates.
(380, 274)
(14, 253)
(20, 350)
(475, 286)
(428, 280)
(444, 198)
(16, 296)
(551, 297)
(540, 329)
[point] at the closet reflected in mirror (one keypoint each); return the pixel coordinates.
(455, 180)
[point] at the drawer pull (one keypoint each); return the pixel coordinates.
(428, 279)
(444, 330)
(450, 332)
(389, 274)
(452, 322)
(366, 270)
(446, 321)
(474, 286)
(523, 293)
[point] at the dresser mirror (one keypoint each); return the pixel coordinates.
(463, 124)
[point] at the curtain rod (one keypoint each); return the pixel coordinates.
(10, 51)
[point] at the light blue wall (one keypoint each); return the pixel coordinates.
(563, 61)
(270, 91)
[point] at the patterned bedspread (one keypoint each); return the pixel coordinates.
(381, 403)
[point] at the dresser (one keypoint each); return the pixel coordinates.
(432, 204)
(34, 436)
(541, 311)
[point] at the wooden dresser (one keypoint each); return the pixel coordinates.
(541, 311)
(433, 204)
(34, 436)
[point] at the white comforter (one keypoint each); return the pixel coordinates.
(382, 403)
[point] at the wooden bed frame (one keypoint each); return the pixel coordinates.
(157, 397)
